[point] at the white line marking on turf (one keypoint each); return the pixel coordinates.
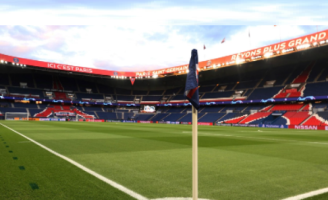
(93, 173)
(307, 195)
(177, 198)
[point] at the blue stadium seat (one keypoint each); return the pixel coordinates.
(316, 89)
(68, 83)
(140, 92)
(211, 109)
(80, 96)
(43, 81)
(123, 91)
(264, 93)
(107, 115)
(26, 91)
(92, 108)
(176, 110)
(25, 105)
(105, 89)
(156, 92)
(17, 78)
(211, 117)
(124, 98)
(172, 91)
(206, 88)
(159, 116)
(231, 115)
(143, 117)
(4, 79)
(173, 117)
(83, 85)
(152, 98)
(246, 85)
(218, 95)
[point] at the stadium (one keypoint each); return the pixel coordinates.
(72, 132)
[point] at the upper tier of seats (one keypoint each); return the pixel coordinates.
(251, 84)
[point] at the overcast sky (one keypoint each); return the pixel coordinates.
(133, 35)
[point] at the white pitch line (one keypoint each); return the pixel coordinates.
(93, 173)
(307, 195)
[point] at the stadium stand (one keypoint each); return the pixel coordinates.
(211, 117)
(255, 116)
(159, 116)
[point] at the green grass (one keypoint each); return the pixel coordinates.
(154, 160)
(319, 197)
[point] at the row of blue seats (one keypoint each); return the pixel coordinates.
(311, 89)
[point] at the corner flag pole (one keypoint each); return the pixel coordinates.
(194, 153)
(192, 94)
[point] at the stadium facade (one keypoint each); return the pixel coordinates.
(280, 85)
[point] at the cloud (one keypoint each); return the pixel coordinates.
(137, 47)
(145, 34)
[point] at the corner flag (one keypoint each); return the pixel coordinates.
(191, 90)
(191, 93)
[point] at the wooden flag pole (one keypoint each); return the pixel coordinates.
(194, 153)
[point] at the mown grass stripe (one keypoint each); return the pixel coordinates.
(91, 172)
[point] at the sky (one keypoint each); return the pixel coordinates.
(138, 35)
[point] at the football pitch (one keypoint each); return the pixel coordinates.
(154, 161)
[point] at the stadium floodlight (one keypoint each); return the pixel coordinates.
(1, 61)
(256, 57)
(155, 76)
(13, 63)
(315, 43)
(267, 55)
(187, 70)
(322, 42)
(240, 60)
(303, 46)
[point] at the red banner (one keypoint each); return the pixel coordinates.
(205, 123)
(145, 122)
(132, 80)
(218, 62)
(308, 127)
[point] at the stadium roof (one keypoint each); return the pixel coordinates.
(286, 47)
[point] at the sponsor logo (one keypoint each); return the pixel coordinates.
(273, 126)
(16, 60)
(129, 121)
(205, 123)
(145, 122)
(69, 68)
(218, 124)
(115, 74)
(267, 100)
(306, 98)
(281, 46)
(306, 127)
(235, 102)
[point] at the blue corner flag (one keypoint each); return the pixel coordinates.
(191, 90)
